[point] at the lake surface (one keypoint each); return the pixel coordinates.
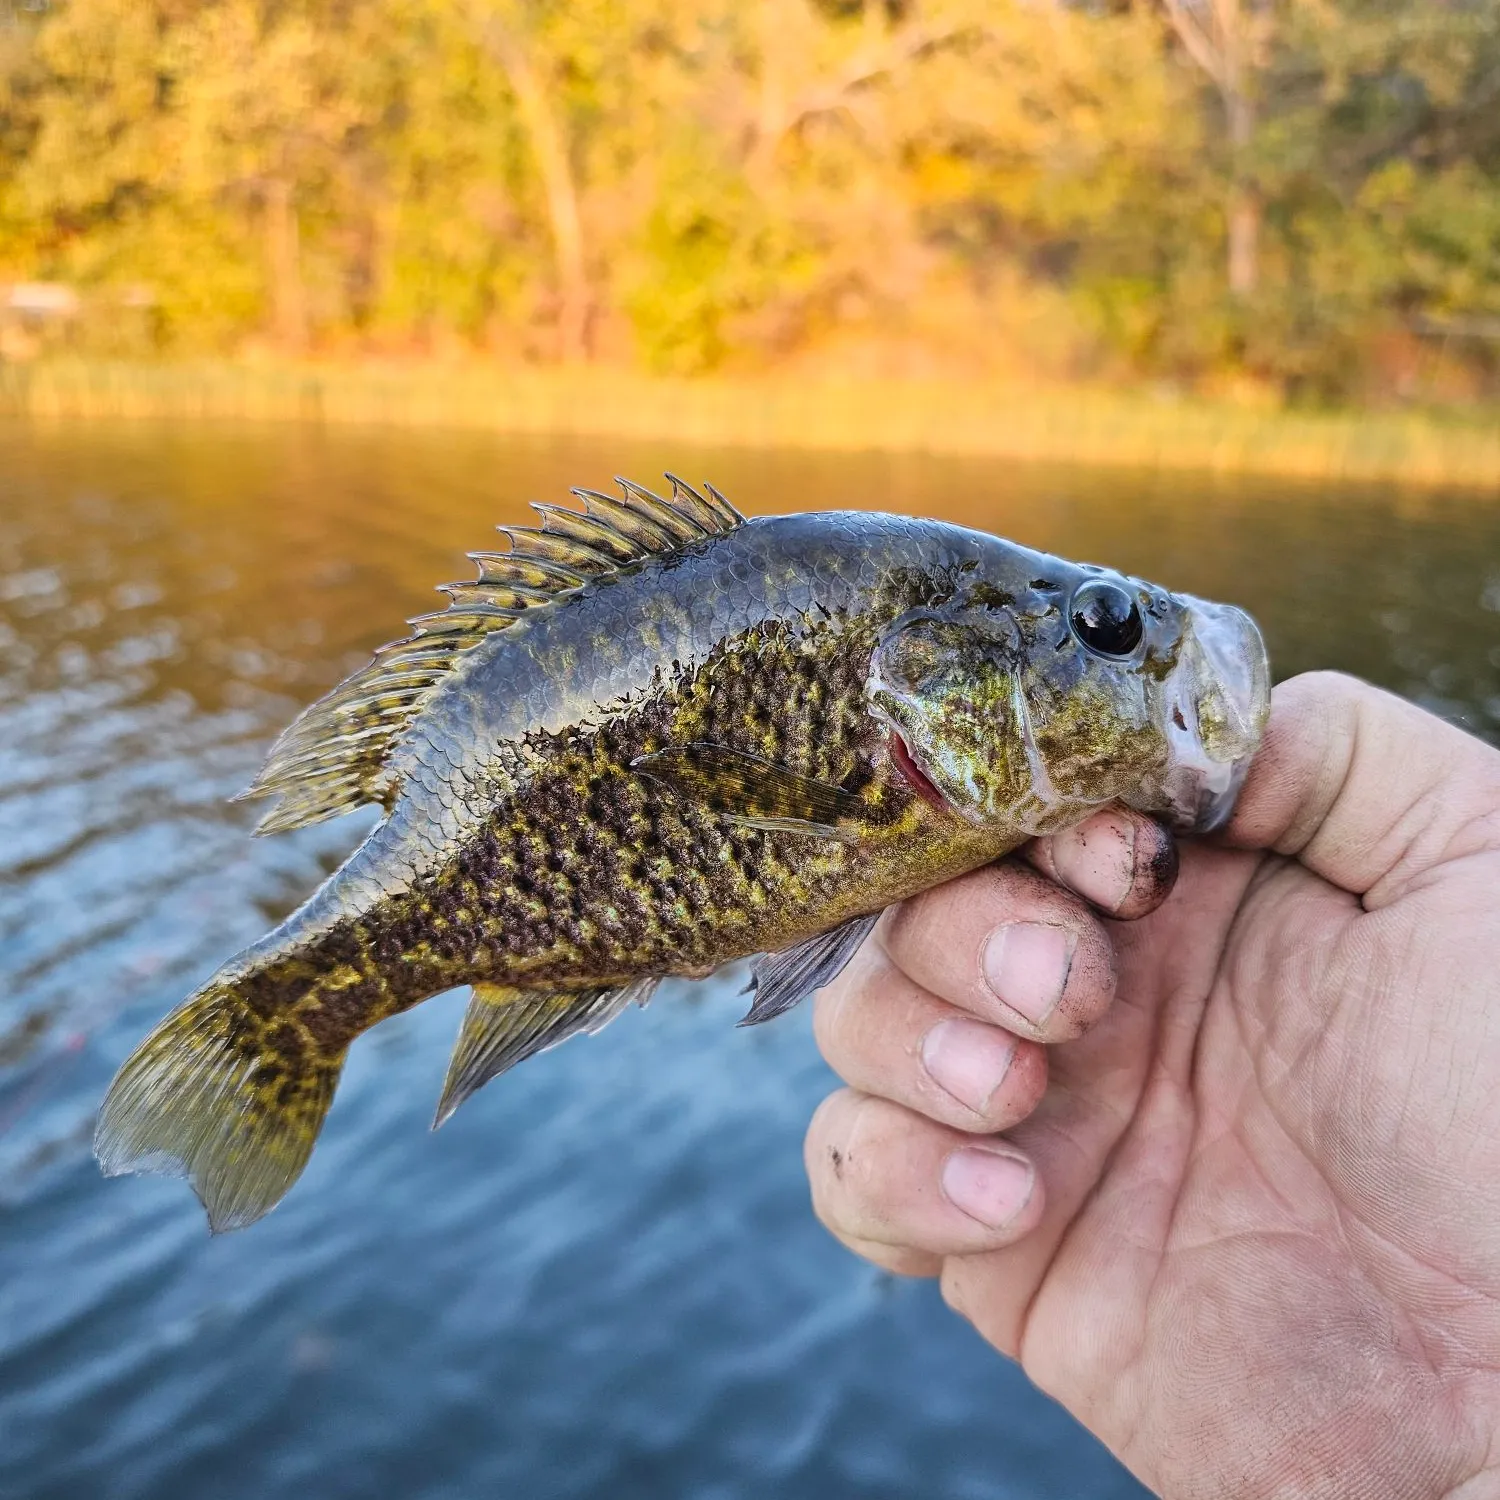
(602, 1278)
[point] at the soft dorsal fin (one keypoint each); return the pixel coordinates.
(333, 756)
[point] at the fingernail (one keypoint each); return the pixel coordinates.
(1098, 858)
(1026, 965)
(967, 1059)
(990, 1186)
(1121, 879)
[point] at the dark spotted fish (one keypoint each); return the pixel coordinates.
(651, 737)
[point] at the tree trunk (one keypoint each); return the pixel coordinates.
(775, 34)
(284, 267)
(1244, 241)
(549, 147)
(1228, 41)
(1243, 209)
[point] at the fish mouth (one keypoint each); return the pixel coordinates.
(1206, 803)
(912, 773)
(1216, 701)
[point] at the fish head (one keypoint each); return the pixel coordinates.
(1031, 703)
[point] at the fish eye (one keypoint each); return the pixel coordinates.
(1105, 618)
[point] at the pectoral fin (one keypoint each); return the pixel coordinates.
(504, 1026)
(756, 792)
(781, 980)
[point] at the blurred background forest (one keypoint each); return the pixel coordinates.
(1271, 200)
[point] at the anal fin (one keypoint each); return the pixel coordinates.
(504, 1026)
(781, 980)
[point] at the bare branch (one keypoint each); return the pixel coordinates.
(546, 134)
(1197, 42)
(868, 67)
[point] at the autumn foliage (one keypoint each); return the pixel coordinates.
(1289, 198)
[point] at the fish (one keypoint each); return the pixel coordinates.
(653, 737)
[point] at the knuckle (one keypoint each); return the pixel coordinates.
(847, 1150)
(903, 920)
(828, 1149)
(951, 1284)
(828, 1005)
(826, 1122)
(957, 905)
(899, 1260)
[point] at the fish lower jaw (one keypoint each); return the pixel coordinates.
(1195, 796)
(1206, 803)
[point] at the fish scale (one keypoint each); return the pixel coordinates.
(652, 738)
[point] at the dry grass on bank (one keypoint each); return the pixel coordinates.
(1055, 425)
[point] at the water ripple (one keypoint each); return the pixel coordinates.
(602, 1277)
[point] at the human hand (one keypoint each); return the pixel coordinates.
(1245, 1221)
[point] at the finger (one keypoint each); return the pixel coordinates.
(884, 1034)
(1009, 946)
(881, 1174)
(1366, 790)
(1119, 860)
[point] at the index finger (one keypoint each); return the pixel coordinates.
(1025, 952)
(1120, 861)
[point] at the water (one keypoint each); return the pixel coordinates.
(602, 1278)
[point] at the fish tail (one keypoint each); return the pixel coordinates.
(224, 1096)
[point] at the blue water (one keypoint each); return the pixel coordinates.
(602, 1278)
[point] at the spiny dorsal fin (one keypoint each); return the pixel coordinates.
(333, 757)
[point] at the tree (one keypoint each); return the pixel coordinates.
(515, 41)
(1230, 40)
(967, 186)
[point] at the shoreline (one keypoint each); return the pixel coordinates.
(1084, 426)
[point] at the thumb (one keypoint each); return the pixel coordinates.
(1365, 789)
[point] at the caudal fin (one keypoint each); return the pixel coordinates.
(223, 1097)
